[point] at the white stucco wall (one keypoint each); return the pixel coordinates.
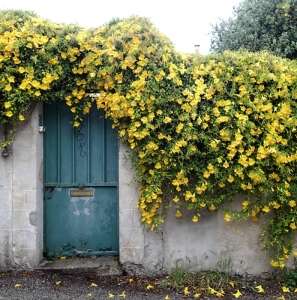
(208, 244)
(21, 198)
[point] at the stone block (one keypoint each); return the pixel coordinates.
(6, 219)
(5, 180)
(24, 239)
(131, 255)
(18, 199)
(131, 238)
(21, 219)
(129, 218)
(30, 200)
(5, 200)
(24, 179)
(25, 258)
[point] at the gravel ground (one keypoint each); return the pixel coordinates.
(41, 285)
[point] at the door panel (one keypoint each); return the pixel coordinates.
(81, 183)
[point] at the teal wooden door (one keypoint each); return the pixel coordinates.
(80, 183)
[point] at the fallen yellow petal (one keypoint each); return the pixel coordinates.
(197, 295)
(63, 257)
(212, 291)
(90, 295)
(18, 284)
(93, 284)
(110, 295)
(58, 282)
(285, 289)
(237, 294)
(149, 287)
(123, 295)
(131, 279)
(186, 291)
(231, 283)
(260, 289)
(167, 297)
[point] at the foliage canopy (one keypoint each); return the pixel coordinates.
(259, 25)
(202, 129)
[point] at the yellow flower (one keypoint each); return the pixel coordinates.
(8, 88)
(292, 203)
(7, 105)
(22, 70)
(211, 290)
(21, 117)
(212, 207)
(226, 165)
(230, 178)
(244, 204)
(186, 291)
(178, 214)
(206, 174)
(237, 294)
(266, 209)
(259, 288)
(275, 205)
(9, 114)
(76, 124)
(220, 293)
(167, 120)
(285, 289)
(195, 219)
(158, 166)
(227, 218)
(175, 199)
(293, 225)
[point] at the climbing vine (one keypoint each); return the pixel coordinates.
(202, 128)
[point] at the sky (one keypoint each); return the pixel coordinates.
(185, 22)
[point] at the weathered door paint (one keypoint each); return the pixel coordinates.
(80, 183)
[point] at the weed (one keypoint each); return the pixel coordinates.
(177, 279)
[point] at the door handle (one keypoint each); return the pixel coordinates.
(48, 192)
(80, 185)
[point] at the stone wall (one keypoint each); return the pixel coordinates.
(208, 244)
(211, 243)
(21, 198)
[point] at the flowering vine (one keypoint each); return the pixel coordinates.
(202, 128)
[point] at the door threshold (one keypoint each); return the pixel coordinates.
(101, 266)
